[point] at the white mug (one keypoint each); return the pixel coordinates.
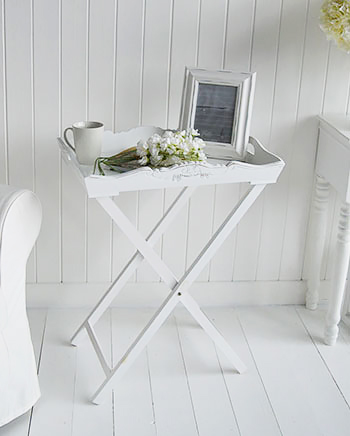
(87, 140)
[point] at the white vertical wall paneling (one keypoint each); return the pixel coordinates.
(210, 52)
(31, 268)
(292, 36)
(301, 163)
(236, 57)
(18, 48)
(18, 86)
(154, 106)
(122, 247)
(174, 239)
(337, 85)
(74, 22)
(3, 100)
(46, 117)
(183, 53)
(264, 60)
(100, 108)
(129, 55)
(137, 79)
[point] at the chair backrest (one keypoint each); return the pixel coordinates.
(20, 220)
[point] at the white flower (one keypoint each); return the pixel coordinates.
(198, 143)
(194, 132)
(142, 148)
(168, 134)
(335, 22)
(171, 148)
(143, 161)
(155, 159)
(171, 160)
(154, 139)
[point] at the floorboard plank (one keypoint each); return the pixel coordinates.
(133, 402)
(172, 400)
(337, 357)
(302, 392)
(211, 402)
(182, 385)
(247, 391)
(37, 319)
(53, 413)
(89, 419)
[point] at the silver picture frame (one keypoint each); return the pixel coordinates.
(218, 103)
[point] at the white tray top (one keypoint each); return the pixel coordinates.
(337, 125)
(259, 167)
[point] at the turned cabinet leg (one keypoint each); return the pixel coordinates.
(341, 263)
(317, 238)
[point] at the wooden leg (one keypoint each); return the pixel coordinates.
(315, 250)
(346, 303)
(194, 309)
(134, 262)
(137, 346)
(341, 264)
(179, 288)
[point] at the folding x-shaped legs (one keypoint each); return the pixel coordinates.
(179, 288)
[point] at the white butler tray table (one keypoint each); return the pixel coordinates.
(259, 169)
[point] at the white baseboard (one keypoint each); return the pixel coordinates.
(151, 294)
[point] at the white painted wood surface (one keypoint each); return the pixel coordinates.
(100, 106)
(295, 384)
(3, 98)
(73, 95)
(332, 169)
(56, 376)
(47, 117)
(279, 343)
(282, 131)
(301, 163)
(124, 62)
(263, 60)
(317, 236)
(341, 266)
(259, 169)
(135, 389)
(178, 286)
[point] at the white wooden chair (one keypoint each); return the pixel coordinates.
(20, 220)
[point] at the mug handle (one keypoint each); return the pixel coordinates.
(66, 139)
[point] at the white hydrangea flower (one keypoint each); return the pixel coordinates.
(142, 148)
(143, 161)
(171, 148)
(335, 22)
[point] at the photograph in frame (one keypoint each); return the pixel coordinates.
(219, 104)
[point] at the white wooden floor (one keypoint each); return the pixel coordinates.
(181, 385)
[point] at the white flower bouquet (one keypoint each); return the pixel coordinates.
(170, 148)
(335, 22)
